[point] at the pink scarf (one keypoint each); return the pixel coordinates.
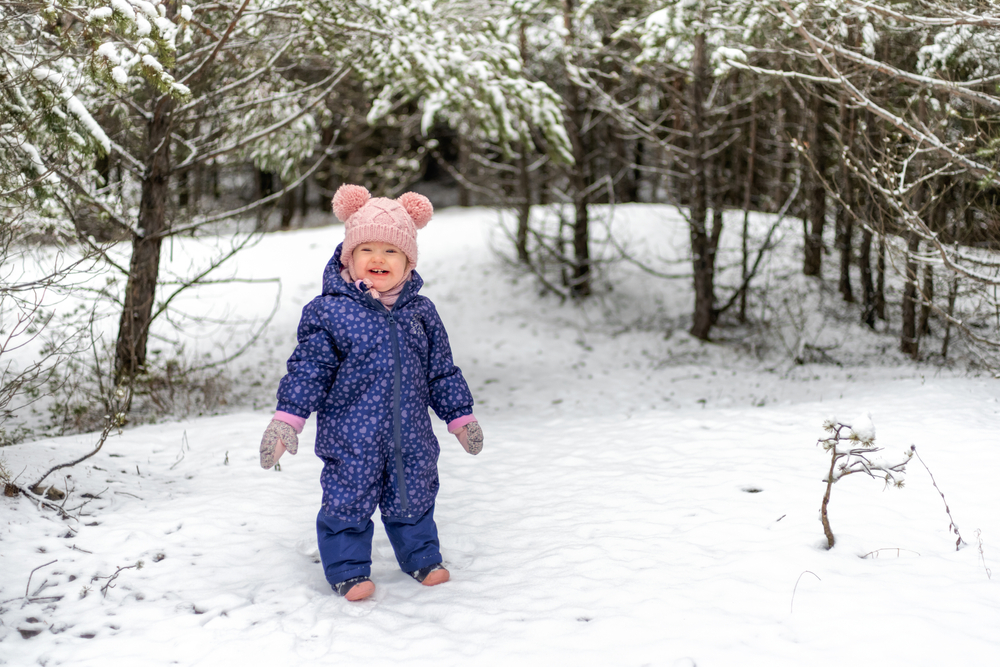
(388, 298)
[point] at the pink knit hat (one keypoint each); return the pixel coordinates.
(394, 221)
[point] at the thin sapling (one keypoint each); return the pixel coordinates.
(851, 451)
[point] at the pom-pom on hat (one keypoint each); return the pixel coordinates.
(368, 219)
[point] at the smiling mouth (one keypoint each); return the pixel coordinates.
(379, 271)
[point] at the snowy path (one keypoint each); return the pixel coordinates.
(594, 530)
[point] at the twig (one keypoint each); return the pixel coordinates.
(115, 421)
(111, 579)
(184, 448)
(952, 528)
(792, 603)
(982, 557)
(897, 549)
(40, 500)
(28, 586)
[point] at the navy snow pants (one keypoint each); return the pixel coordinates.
(345, 547)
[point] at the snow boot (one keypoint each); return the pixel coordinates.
(355, 588)
(432, 575)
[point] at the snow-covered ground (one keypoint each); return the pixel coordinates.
(642, 498)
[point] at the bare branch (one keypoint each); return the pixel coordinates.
(194, 74)
(982, 171)
(333, 80)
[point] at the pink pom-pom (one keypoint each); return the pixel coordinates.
(349, 200)
(418, 206)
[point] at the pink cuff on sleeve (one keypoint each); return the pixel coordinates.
(296, 422)
(455, 425)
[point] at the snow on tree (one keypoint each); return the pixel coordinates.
(451, 56)
(53, 56)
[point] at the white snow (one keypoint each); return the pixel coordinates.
(29, 150)
(124, 8)
(110, 52)
(77, 108)
(73, 103)
(152, 63)
(147, 8)
(99, 13)
(142, 26)
(641, 499)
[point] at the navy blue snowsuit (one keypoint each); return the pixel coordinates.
(370, 374)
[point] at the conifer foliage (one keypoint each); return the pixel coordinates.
(54, 57)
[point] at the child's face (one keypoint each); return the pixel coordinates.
(382, 263)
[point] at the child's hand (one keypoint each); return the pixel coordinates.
(278, 437)
(471, 437)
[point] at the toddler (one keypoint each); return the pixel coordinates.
(372, 356)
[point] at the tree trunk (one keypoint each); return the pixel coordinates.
(213, 177)
(524, 209)
(939, 219)
(544, 184)
(287, 209)
(880, 282)
(812, 261)
(968, 218)
(197, 188)
(872, 216)
(102, 165)
(183, 188)
(640, 154)
(909, 343)
(464, 196)
(580, 280)
(580, 283)
(952, 295)
(140, 290)
(524, 177)
(781, 155)
(926, 298)
(702, 252)
(303, 192)
(867, 285)
(747, 193)
(265, 188)
(845, 211)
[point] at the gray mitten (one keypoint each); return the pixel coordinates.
(471, 437)
(278, 438)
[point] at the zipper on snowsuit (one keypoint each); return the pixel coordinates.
(397, 426)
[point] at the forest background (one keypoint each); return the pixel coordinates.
(128, 124)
